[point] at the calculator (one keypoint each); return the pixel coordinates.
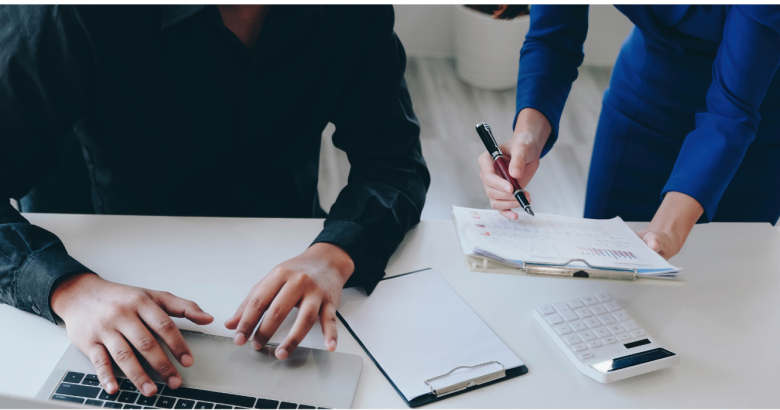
(601, 339)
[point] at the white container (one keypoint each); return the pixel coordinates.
(487, 51)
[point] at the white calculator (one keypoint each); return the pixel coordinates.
(601, 339)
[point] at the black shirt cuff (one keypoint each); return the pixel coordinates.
(37, 275)
(357, 242)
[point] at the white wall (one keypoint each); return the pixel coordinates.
(427, 31)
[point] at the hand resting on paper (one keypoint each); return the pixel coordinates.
(312, 282)
(671, 224)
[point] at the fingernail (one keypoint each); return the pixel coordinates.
(332, 344)
(256, 345)
(208, 315)
(110, 387)
(148, 389)
(508, 189)
(239, 338)
(187, 360)
(281, 354)
(174, 382)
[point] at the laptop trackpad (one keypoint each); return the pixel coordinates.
(307, 376)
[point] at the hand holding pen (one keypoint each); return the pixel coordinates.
(521, 153)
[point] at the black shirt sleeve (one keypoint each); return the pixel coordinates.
(46, 70)
(378, 130)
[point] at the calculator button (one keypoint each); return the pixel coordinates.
(616, 329)
(598, 310)
(589, 300)
(621, 316)
(587, 335)
(580, 347)
(546, 310)
(612, 306)
(554, 319)
(609, 340)
(630, 325)
(592, 322)
(563, 329)
(607, 319)
(584, 312)
(565, 312)
(623, 337)
(638, 333)
(572, 339)
(575, 304)
(578, 326)
(603, 297)
(594, 343)
(586, 355)
(602, 332)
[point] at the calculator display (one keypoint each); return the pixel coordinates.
(632, 360)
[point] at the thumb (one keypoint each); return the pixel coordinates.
(518, 158)
(653, 242)
(178, 307)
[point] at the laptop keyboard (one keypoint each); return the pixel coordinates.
(85, 389)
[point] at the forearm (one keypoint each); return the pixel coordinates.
(32, 260)
(373, 213)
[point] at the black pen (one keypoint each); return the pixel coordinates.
(498, 159)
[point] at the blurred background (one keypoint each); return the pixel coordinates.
(461, 70)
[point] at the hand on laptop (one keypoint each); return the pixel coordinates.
(312, 282)
(104, 319)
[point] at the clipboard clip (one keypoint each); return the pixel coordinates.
(560, 269)
(465, 384)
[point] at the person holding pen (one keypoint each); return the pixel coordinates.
(689, 128)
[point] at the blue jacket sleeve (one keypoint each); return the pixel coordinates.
(746, 62)
(45, 75)
(549, 59)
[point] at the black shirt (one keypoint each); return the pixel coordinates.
(177, 117)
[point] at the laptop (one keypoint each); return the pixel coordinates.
(224, 376)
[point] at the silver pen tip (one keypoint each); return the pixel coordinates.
(530, 212)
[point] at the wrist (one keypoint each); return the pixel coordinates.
(677, 215)
(67, 289)
(532, 128)
(336, 258)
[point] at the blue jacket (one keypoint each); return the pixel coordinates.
(719, 63)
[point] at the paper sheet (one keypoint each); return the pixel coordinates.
(556, 239)
(417, 327)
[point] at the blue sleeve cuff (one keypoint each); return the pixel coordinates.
(357, 242)
(709, 158)
(37, 276)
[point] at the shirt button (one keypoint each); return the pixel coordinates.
(36, 310)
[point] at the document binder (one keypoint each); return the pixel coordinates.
(492, 243)
(409, 308)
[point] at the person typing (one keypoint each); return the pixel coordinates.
(205, 111)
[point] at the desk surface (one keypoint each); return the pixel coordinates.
(723, 324)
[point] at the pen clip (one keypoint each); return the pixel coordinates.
(486, 135)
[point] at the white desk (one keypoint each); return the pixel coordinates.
(724, 324)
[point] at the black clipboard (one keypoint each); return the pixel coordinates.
(449, 391)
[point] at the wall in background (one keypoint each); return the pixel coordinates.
(427, 31)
